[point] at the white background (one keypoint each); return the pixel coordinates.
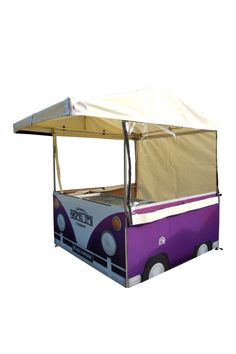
(50, 301)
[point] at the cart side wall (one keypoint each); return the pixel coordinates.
(176, 237)
(78, 228)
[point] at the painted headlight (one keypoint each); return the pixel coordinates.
(61, 222)
(108, 243)
(116, 223)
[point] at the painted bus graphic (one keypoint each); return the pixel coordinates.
(153, 247)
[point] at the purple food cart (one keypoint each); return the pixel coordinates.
(166, 215)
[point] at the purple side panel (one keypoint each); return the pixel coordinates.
(182, 233)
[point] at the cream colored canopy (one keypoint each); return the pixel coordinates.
(175, 150)
(102, 116)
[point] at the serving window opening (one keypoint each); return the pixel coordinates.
(95, 173)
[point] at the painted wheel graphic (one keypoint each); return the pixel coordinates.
(155, 266)
(156, 269)
(61, 222)
(203, 248)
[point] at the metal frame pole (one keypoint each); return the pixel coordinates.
(126, 217)
(127, 195)
(136, 166)
(127, 174)
(54, 166)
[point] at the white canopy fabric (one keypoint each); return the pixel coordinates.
(102, 116)
(176, 148)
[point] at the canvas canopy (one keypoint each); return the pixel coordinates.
(102, 116)
(176, 147)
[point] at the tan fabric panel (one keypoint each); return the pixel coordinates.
(102, 128)
(150, 105)
(92, 126)
(169, 168)
(97, 128)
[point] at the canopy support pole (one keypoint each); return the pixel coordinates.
(56, 163)
(127, 176)
(54, 167)
(136, 167)
(127, 195)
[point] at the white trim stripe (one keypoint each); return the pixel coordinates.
(144, 206)
(174, 210)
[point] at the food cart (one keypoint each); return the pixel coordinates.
(168, 215)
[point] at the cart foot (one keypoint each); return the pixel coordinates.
(219, 249)
(55, 245)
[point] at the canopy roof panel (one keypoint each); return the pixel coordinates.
(153, 110)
